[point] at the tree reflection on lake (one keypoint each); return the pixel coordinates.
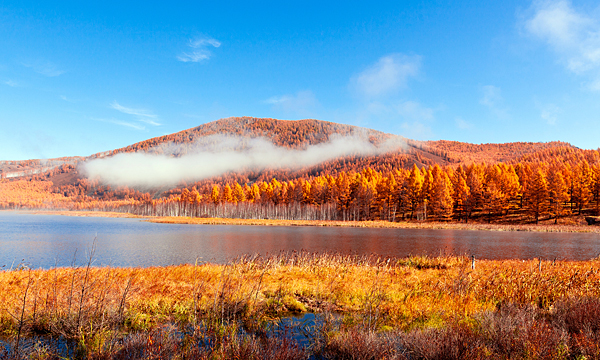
(52, 240)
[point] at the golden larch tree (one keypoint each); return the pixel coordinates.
(214, 195)
(558, 193)
(537, 195)
(414, 185)
(228, 194)
(238, 193)
(582, 181)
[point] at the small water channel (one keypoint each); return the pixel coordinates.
(301, 329)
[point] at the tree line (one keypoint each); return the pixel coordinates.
(522, 192)
(489, 192)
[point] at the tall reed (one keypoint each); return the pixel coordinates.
(390, 306)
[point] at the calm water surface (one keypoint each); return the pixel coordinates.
(52, 240)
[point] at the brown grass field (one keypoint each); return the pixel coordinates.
(410, 308)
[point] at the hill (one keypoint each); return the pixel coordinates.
(300, 134)
(253, 167)
(287, 134)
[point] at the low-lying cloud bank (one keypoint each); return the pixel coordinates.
(218, 154)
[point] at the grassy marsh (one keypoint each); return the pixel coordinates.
(396, 308)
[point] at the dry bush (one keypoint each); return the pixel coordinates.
(520, 332)
(580, 319)
(361, 344)
(577, 315)
(455, 342)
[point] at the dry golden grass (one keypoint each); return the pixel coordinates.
(405, 293)
(97, 305)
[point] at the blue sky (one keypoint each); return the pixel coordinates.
(78, 78)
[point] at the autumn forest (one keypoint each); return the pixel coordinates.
(422, 181)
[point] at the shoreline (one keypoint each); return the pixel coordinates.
(357, 224)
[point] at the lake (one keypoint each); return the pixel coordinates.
(53, 240)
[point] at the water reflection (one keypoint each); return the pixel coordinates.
(48, 241)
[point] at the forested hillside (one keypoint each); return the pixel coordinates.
(440, 180)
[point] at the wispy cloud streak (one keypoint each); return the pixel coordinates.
(122, 123)
(138, 112)
(299, 103)
(199, 50)
(44, 68)
(142, 115)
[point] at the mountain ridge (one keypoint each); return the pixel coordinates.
(311, 169)
(297, 134)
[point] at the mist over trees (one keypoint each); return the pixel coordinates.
(527, 192)
(310, 169)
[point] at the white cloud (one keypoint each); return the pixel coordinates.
(387, 75)
(573, 35)
(595, 84)
(301, 103)
(138, 112)
(199, 50)
(67, 99)
(405, 109)
(410, 117)
(128, 124)
(413, 119)
(549, 113)
(215, 155)
(492, 99)
(379, 87)
(143, 115)
(149, 122)
(462, 124)
(203, 42)
(414, 110)
(11, 83)
(44, 68)
(491, 96)
(418, 119)
(122, 123)
(556, 22)
(416, 130)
